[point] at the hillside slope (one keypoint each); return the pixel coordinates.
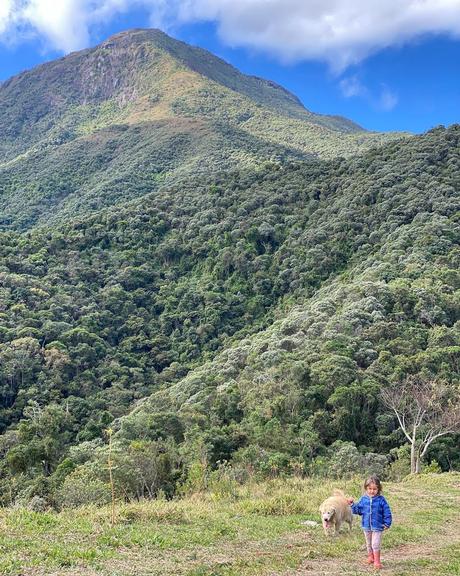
(135, 72)
(141, 110)
(264, 310)
(375, 274)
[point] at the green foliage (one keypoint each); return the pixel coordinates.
(400, 465)
(261, 310)
(343, 460)
(117, 122)
(79, 489)
(196, 480)
(432, 468)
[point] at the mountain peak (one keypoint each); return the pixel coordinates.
(205, 63)
(135, 35)
(143, 75)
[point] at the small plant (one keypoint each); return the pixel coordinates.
(400, 466)
(432, 468)
(38, 504)
(197, 479)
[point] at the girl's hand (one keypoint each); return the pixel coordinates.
(350, 500)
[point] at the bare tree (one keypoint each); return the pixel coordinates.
(426, 410)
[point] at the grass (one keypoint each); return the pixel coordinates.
(257, 530)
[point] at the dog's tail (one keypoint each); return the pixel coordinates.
(339, 493)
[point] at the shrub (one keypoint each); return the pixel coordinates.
(80, 489)
(222, 483)
(38, 504)
(196, 480)
(344, 460)
(400, 466)
(432, 468)
(375, 464)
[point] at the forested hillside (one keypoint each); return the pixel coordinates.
(260, 310)
(141, 111)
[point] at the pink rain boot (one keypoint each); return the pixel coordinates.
(377, 563)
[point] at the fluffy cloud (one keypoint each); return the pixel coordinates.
(352, 86)
(383, 98)
(340, 32)
(6, 15)
(64, 25)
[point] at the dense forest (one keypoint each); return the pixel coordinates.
(200, 278)
(249, 318)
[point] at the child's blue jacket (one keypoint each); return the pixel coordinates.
(375, 512)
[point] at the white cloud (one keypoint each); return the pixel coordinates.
(382, 98)
(340, 32)
(388, 99)
(6, 15)
(352, 86)
(63, 25)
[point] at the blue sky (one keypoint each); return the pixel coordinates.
(392, 65)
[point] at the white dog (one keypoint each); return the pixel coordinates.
(334, 511)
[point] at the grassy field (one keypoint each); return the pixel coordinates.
(253, 530)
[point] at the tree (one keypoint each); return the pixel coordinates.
(19, 360)
(426, 409)
(42, 439)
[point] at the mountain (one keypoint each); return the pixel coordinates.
(220, 280)
(142, 110)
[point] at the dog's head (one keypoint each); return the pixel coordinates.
(326, 516)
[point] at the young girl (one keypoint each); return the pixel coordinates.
(376, 517)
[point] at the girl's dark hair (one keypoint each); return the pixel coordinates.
(373, 480)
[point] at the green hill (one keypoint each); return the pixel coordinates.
(139, 111)
(261, 310)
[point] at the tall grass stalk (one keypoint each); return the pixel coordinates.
(109, 433)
